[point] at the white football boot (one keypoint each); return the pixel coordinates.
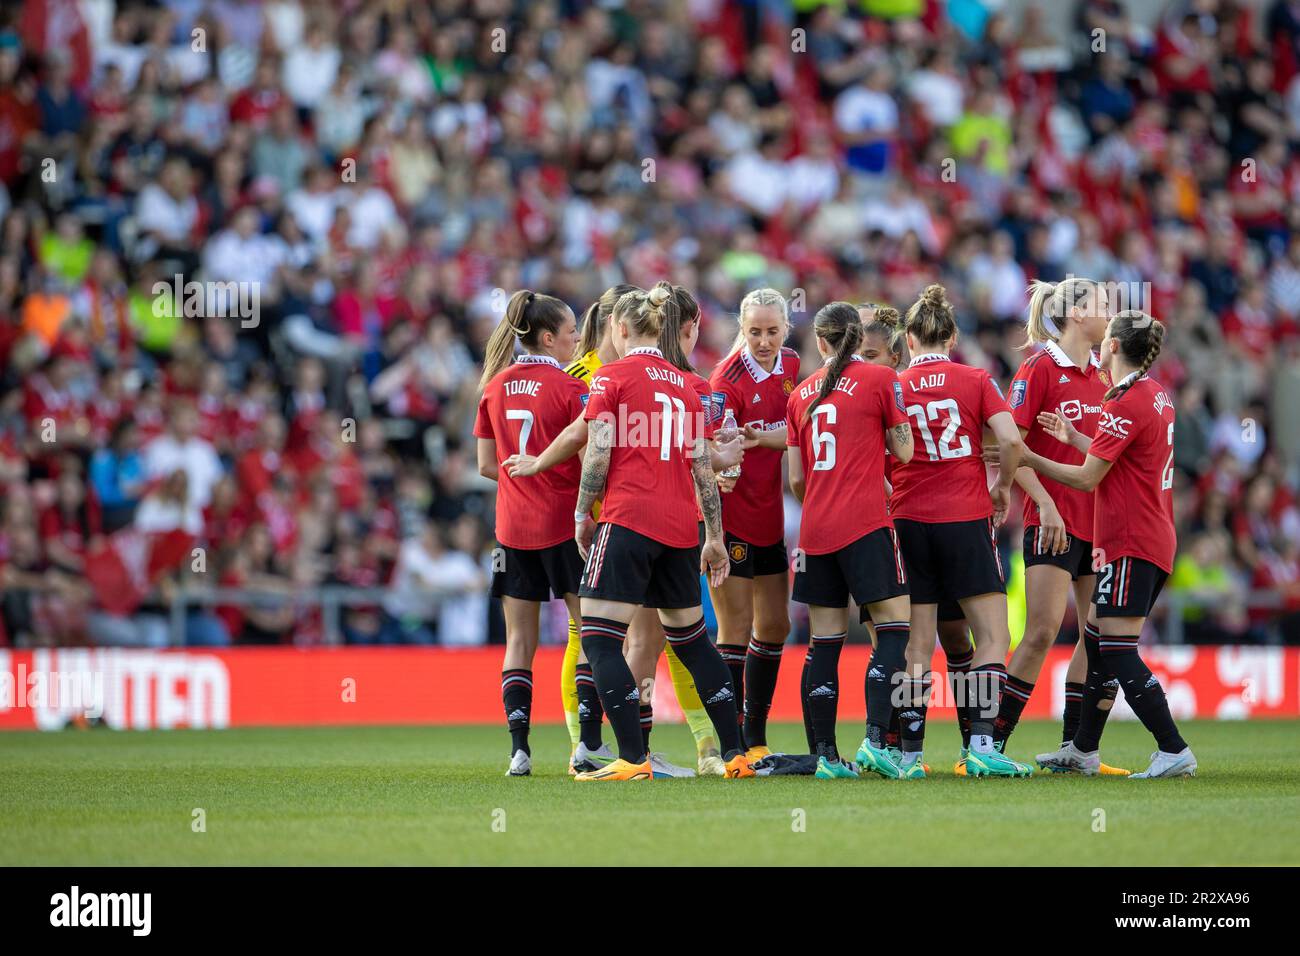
(663, 770)
(585, 760)
(1181, 764)
(521, 765)
(1070, 759)
(711, 764)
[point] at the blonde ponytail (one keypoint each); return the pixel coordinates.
(1050, 305)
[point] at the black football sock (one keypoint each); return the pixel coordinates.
(916, 702)
(1109, 687)
(1015, 695)
(647, 713)
(1142, 690)
(762, 664)
(894, 735)
(958, 668)
(1096, 705)
(1073, 707)
(590, 713)
(712, 679)
(824, 691)
(517, 695)
(883, 670)
(984, 689)
(734, 658)
(602, 642)
(803, 701)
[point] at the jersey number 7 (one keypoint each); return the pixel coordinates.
(527, 418)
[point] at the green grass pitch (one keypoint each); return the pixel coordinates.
(437, 795)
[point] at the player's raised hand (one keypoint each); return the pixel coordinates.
(1058, 426)
(520, 466)
(713, 562)
(583, 533)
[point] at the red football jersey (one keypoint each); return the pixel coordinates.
(525, 408)
(656, 414)
(948, 404)
(1135, 501)
(1049, 381)
(754, 510)
(842, 447)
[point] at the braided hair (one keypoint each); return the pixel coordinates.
(1140, 338)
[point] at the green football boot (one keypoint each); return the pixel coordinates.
(834, 769)
(877, 760)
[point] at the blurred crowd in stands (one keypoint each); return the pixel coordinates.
(251, 250)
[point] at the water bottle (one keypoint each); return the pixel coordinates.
(726, 433)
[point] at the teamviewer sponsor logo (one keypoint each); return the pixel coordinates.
(74, 908)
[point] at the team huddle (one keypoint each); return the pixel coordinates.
(672, 477)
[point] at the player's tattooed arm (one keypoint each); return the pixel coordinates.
(595, 464)
(899, 440)
(707, 489)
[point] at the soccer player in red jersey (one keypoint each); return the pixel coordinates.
(646, 639)
(841, 419)
(1130, 465)
(946, 517)
(529, 401)
(1068, 320)
(646, 461)
(754, 382)
(884, 343)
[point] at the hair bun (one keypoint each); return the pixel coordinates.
(660, 294)
(886, 315)
(935, 296)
